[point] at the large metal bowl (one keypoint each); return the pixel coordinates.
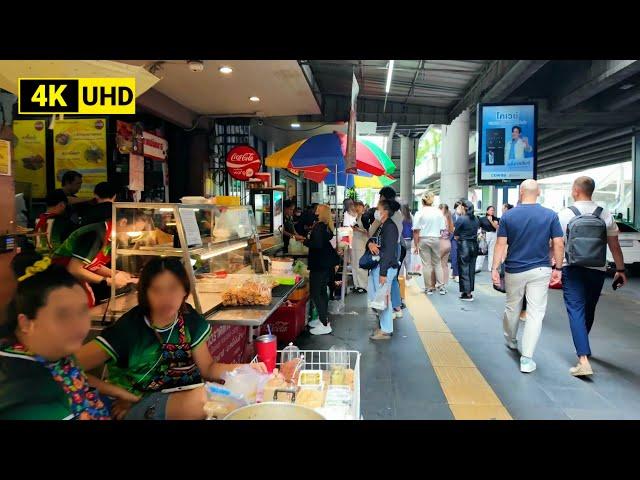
(274, 411)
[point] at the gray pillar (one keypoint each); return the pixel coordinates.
(454, 180)
(407, 166)
(634, 214)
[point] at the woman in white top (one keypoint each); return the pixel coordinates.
(358, 247)
(427, 226)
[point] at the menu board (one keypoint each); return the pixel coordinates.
(506, 143)
(5, 157)
(81, 145)
(30, 153)
(191, 229)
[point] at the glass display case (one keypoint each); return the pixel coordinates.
(217, 244)
(267, 204)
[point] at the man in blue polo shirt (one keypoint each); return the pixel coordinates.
(527, 230)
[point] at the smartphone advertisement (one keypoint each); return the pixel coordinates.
(507, 142)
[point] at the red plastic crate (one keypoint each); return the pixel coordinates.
(287, 322)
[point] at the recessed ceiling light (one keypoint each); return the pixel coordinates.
(295, 125)
(226, 70)
(626, 86)
(254, 99)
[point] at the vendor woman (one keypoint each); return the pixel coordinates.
(48, 321)
(159, 345)
(86, 254)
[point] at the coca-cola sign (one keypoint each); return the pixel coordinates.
(243, 162)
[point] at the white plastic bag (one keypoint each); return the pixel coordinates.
(381, 300)
(416, 264)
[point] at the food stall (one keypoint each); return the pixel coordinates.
(220, 247)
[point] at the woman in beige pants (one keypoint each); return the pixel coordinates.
(445, 244)
(427, 229)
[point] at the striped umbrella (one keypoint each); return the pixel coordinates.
(328, 150)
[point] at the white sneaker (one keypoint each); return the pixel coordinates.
(315, 323)
(322, 330)
(397, 314)
(430, 291)
(442, 291)
(527, 365)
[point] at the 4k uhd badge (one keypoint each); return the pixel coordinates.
(84, 96)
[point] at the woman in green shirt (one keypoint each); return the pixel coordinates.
(48, 321)
(159, 345)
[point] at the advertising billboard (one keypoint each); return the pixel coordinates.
(507, 143)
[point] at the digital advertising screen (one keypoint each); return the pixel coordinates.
(507, 143)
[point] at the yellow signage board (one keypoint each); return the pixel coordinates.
(81, 145)
(84, 96)
(31, 153)
(5, 157)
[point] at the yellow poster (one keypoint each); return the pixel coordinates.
(5, 157)
(81, 145)
(30, 153)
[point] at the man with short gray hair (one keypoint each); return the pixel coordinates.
(527, 230)
(581, 285)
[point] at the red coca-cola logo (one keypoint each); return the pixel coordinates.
(243, 162)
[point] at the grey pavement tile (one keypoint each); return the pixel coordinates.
(578, 398)
(411, 410)
(529, 412)
(584, 414)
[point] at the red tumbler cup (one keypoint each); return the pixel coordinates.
(267, 349)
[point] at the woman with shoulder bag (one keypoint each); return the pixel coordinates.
(384, 245)
(323, 260)
(466, 233)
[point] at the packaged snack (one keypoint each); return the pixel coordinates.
(310, 398)
(221, 401)
(253, 291)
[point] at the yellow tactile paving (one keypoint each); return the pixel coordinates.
(479, 412)
(468, 394)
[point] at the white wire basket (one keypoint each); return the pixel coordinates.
(323, 359)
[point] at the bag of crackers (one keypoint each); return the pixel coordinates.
(254, 291)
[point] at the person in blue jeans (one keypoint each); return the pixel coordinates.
(581, 286)
(384, 244)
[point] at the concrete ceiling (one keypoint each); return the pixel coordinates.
(280, 85)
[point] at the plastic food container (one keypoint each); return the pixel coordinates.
(311, 379)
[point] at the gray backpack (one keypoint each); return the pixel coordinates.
(586, 239)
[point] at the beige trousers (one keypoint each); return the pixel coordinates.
(431, 262)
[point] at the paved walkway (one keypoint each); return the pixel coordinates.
(447, 359)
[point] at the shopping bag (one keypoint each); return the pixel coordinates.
(416, 264)
(483, 246)
(403, 286)
(381, 300)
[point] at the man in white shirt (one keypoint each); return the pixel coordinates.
(428, 224)
(581, 286)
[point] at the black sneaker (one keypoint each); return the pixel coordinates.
(466, 297)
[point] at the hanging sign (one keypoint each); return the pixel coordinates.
(243, 162)
(81, 145)
(5, 157)
(155, 147)
(350, 154)
(30, 152)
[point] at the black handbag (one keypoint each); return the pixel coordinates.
(367, 262)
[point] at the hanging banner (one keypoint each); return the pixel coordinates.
(155, 147)
(243, 162)
(136, 172)
(350, 156)
(81, 145)
(124, 136)
(5, 157)
(30, 152)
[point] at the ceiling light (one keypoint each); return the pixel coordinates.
(626, 86)
(389, 74)
(254, 99)
(195, 65)
(295, 125)
(226, 70)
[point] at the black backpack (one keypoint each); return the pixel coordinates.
(586, 244)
